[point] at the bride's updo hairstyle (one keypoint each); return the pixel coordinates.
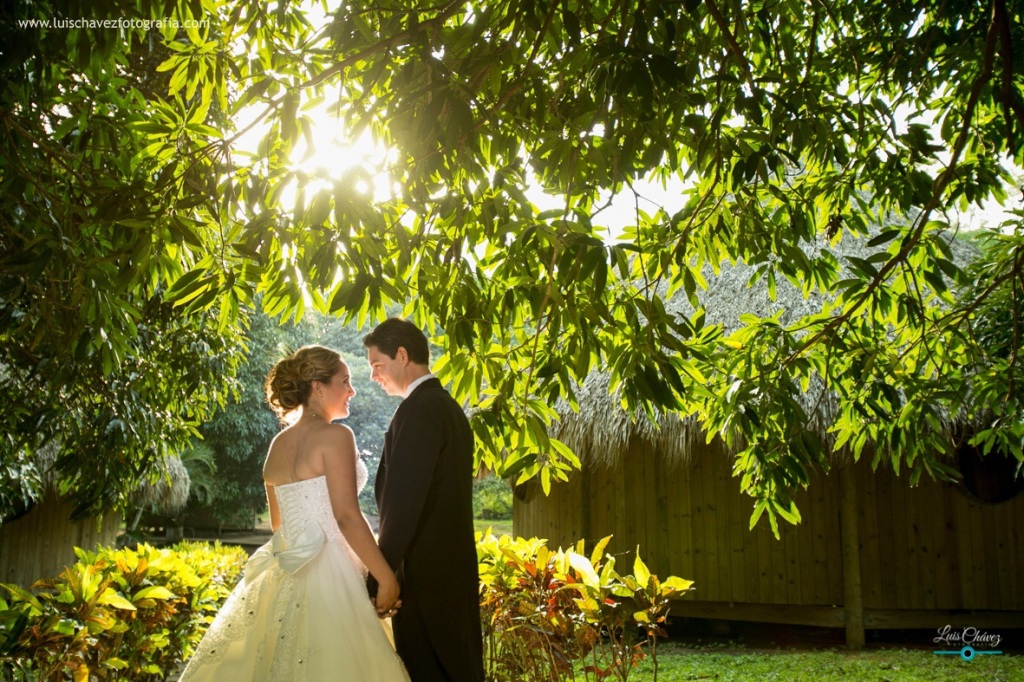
(290, 381)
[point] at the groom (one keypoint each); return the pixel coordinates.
(425, 501)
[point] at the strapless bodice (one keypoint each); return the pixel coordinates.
(303, 503)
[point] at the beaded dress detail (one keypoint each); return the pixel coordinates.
(301, 611)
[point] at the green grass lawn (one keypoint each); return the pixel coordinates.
(497, 526)
(677, 663)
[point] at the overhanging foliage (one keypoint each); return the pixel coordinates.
(777, 121)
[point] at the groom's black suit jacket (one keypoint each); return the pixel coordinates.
(424, 491)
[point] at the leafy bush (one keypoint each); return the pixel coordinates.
(135, 614)
(127, 614)
(558, 615)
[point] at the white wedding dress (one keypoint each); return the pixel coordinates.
(301, 612)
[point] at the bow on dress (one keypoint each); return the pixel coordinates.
(304, 547)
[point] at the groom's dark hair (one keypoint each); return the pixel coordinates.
(394, 333)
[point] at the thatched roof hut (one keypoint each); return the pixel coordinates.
(165, 491)
(40, 542)
(872, 552)
(168, 492)
(601, 430)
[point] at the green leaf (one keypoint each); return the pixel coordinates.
(23, 595)
(153, 592)
(674, 586)
(598, 552)
(758, 510)
(640, 570)
(584, 569)
(66, 627)
(513, 467)
(112, 598)
(789, 512)
(883, 238)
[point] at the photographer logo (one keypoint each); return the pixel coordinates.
(970, 640)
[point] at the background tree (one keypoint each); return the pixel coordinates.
(239, 434)
(372, 408)
(92, 354)
(777, 123)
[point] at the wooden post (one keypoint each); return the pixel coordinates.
(848, 528)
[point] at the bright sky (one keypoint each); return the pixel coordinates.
(334, 154)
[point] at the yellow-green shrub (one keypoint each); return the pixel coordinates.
(116, 614)
(561, 615)
(134, 614)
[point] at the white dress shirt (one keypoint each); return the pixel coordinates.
(416, 383)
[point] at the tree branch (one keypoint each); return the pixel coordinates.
(938, 186)
(1010, 106)
(734, 46)
(1016, 323)
(447, 12)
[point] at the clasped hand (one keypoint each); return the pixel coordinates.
(387, 612)
(387, 602)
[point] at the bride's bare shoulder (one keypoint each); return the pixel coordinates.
(334, 436)
(281, 455)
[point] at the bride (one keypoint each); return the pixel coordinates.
(301, 611)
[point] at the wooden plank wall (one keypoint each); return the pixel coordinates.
(929, 547)
(936, 547)
(41, 543)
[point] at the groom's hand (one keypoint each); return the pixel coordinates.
(387, 613)
(387, 602)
